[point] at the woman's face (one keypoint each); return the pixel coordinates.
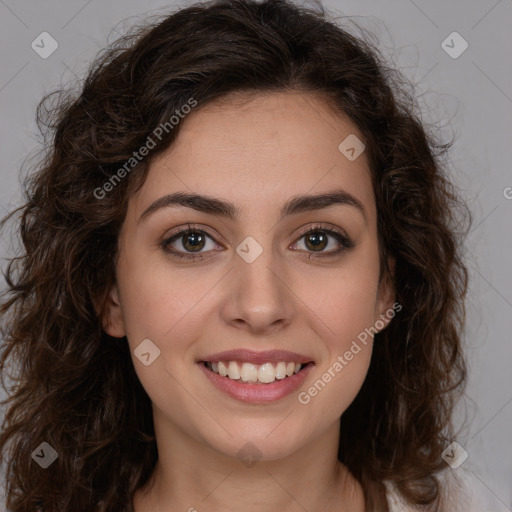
(246, 278)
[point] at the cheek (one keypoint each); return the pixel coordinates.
(336, 385)
(343, 314)
(163, 309)
(157, 303)
(344, 365)
(341, 301)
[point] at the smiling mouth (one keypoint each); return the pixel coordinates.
(249, 373)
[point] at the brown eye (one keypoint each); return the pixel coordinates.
(318, 238)
(193, 241)
(316, 241)
(189, 243)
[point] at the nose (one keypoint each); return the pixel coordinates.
(259, 297)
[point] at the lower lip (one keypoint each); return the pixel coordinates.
(257, 393)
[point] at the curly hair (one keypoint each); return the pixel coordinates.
(75, 388)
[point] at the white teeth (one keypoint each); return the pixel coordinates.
(248, 372)
(233, 370)
(280, 370)
(223, 371)
(266, 373)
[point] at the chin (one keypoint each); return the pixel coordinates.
(259, 444)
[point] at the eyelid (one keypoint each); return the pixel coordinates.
(326, 227)
(330, 229)
(190, 227)
(177, 233)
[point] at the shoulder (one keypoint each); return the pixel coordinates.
(459, 489)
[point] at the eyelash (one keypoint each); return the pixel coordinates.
(346, 242)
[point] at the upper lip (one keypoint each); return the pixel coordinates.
(250, 356)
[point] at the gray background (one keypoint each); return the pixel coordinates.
(470, 97)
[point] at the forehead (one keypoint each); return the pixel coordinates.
(247, 147)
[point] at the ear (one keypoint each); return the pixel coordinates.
(111, 314)
(386, 307)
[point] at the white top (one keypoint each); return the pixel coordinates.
(458, 487)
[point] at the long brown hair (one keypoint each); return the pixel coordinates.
(75, 388)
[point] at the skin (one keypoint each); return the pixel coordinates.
(272, 146)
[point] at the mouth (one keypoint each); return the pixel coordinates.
(245, 372)
(256, 377)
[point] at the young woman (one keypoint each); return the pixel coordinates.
(240, 286)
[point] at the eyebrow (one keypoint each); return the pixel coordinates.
(214, 206)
